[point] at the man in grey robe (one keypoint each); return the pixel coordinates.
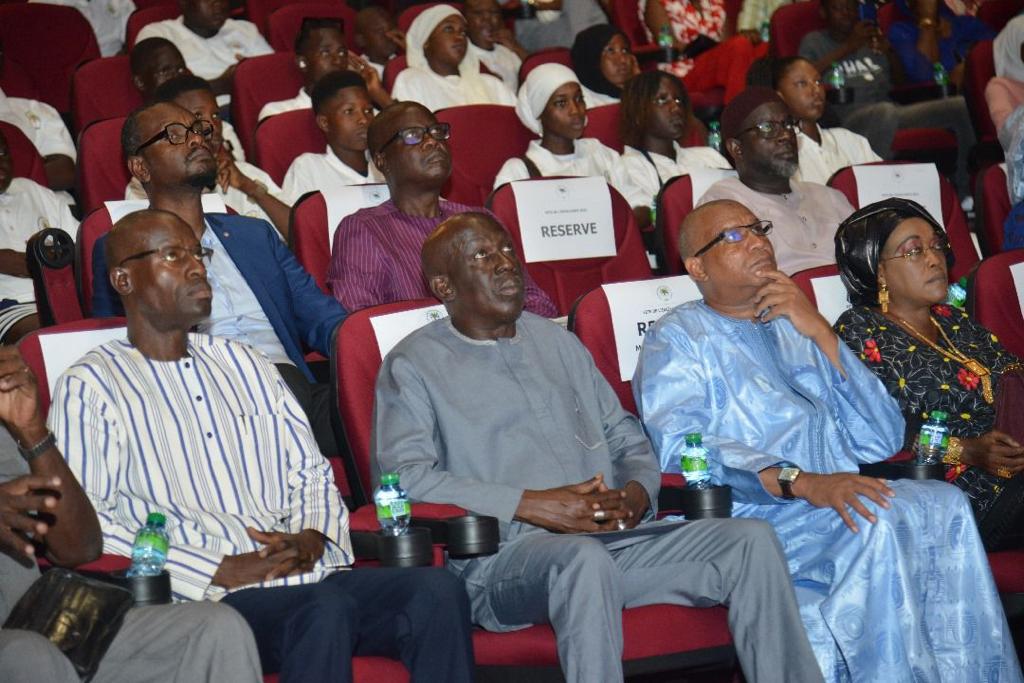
(503, 412)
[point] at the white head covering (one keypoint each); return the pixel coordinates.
(1006, 50)
(470, 82)
(537, 89)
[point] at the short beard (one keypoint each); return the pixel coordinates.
(782, 167)
(202, 179)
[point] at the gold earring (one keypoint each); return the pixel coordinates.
(883, 298)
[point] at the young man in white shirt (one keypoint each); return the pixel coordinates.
(343, 112)
(492, 43)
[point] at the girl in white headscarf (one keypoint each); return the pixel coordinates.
(442, 72)
(1005, 92)
(551, 104)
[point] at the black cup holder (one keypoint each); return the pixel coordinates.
(147, 590)
(710, 503)
(904, 469)
(839, 95)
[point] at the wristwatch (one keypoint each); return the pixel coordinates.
(32, 452)
(787, 477)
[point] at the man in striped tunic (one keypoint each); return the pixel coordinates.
(205, 430)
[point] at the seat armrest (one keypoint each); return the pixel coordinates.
(902, 466)
(461, 534)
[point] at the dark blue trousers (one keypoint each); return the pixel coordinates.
(310, 633)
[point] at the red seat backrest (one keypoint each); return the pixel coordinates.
(804, 277)
(993, 301)
(355, 378)
(994, 207)
(675, 202)
(96, 225)
(790, 23)
(997, 13)
(284, 23)
(979, 67)
(259, 11)
(603, 124)
(953, 217)
(309, 236)
(281, 138)
(551, 55)
(409, 14)
(103, 89)
(483, 137)
(55, 289)
(102, 173)
(26, 159)
(48, 42)
(16, 82)
(258, 81)
(624, 15)
(395, 66)
(889, 14)
(564, 281)
(32, 352)
(591, 321)
(144, 16)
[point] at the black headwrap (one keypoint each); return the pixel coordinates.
(861, 237)
(586, 57)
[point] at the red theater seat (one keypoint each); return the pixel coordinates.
(993, 301)
(790, 23)
(603, 124)
(281, 138)
(258, 81)
(143, 16)
(409, 14)
(551, 55)
(26, 160)
(483, 137)
(993, 208)
(675, 202)
(16, 82)
(103, 89)
(564, 281)
(47, 42)
(102, 173)
(997, 13)
(285, 22)
(979, 67)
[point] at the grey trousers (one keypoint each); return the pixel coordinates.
(580, 586)
(879, 122)
(187, 643)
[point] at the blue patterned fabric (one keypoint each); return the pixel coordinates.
(909, 598)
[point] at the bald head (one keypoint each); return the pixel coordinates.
(137, 231)
(703, 223)
(390, 119)
(445, 243)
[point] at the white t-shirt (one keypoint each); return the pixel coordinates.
(234, 198)
(40, 123)
(502, 62)
(589, 158)
(108, 19)
(26, 208)
(230, 136)
(440, 92)
(647, 178)
(596, 99)
(839, 148)
(300, 101)
(312, 171)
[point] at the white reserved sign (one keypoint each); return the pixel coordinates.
(919, 182)
(830, 295)
(701, 179)
(394, 327)
(635, 306)
(565, 218)
(212, 203)
(1017, 271)
(62, 350)
(345, 200)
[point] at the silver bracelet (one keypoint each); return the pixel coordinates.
(30, 454)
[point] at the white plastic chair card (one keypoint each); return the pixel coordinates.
(565, 218)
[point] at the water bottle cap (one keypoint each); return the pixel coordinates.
(389, 478)
(693, 439)
(156, 519)
(715, 125)
(939, 415)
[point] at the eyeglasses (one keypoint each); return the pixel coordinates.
(940, 246)
(173, 255)
(738, 234)
(662, 100)
(769, 130)
(414, 134)
(177, 134)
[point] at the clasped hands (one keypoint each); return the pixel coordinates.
(282, 554)
(588, 506)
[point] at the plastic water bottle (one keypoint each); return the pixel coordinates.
(393, 508)
(957, 293)
(149, 554)
(665, 36)
(715, 136)
(836, 78)
(933, 440)
(694, 463)
(766, 34)
(941, 77)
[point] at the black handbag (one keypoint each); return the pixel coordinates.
(81, 616)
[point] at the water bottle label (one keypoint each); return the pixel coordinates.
(933, 437)
(149, 539)
(394, 509)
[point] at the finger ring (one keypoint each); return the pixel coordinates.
(622, 525)
(598, 514)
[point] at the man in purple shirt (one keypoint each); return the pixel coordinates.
(376, 253)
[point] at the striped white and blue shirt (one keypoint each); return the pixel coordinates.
(216, 441)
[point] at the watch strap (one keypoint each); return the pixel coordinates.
(30, 454)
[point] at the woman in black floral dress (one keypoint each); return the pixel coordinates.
(893, 258)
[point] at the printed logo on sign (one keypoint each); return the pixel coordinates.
(563, 192)
(897, 174)
(664, 293)
(377, 195)
(433, 315)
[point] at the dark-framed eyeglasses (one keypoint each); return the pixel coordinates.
(173, 255)
(769, 130)
(414, 135)
(177, 134)
(911, 255)
(738, 234)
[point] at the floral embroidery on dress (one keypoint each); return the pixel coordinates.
(688, 23)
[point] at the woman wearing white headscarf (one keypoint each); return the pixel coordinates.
(551, 104)
(442, 72)
(1005, 92)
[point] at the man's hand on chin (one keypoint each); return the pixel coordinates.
(782, 297)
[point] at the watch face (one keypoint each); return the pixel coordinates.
(789, 474)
